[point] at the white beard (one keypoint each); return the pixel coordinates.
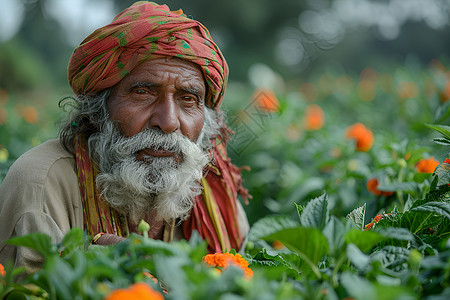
(161, 184)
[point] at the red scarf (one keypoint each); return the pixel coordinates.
(214, 214)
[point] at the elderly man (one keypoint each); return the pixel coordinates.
(145, 141)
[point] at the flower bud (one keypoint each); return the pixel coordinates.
(144, 227)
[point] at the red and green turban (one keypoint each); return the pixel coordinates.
(142, 32)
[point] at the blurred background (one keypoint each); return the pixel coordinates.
(330, 62)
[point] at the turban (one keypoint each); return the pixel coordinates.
(142, 32)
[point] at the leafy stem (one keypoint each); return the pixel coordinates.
(340, 261)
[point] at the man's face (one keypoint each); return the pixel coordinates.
(163, 93)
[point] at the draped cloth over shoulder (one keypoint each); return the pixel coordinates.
(142, 32)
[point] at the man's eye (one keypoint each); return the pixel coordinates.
(189, 98)
(140, 91)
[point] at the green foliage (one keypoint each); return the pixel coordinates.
(403, 255)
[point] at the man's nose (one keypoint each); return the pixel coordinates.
(164, 115)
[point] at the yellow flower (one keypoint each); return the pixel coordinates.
(3, 154)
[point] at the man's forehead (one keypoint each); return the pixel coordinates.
(153, 73)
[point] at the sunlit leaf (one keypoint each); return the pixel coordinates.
(357, 216)
(310, 243)
(364, 240)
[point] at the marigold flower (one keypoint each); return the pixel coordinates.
(2, 270)
(362, 136)
(223, 260)
(266, 100)
(137, 291)
(372, 186)
(314, 118)
(427, 165)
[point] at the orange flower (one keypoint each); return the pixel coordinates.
(362, 135)
(314, 117)
(137, 291)
(372, 186)
(2, 270)
(374, 221)
(266, 100)
(223, 260)
(30, 114)
(427, 165)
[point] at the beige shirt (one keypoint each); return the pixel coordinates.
(40, 193)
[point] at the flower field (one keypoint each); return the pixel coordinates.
(350, 182)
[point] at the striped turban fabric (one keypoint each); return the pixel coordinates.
(142, 32)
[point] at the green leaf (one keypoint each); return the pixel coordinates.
(268, 258)
(168, 271)
(316, 213)
(60, 277)
(421, 177)
(441, 208)
(407, 187)
(443, 173)
(417, 220)
(442, 129)
(442, 141)
(309, 243)
(357, 287)
(40, 242)
(269, 225)
(393, 292)
(335, 231)
(300, 209)
(357, 258)
(364, 240)
(402, 234)
(73, 240)
(357, 216)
